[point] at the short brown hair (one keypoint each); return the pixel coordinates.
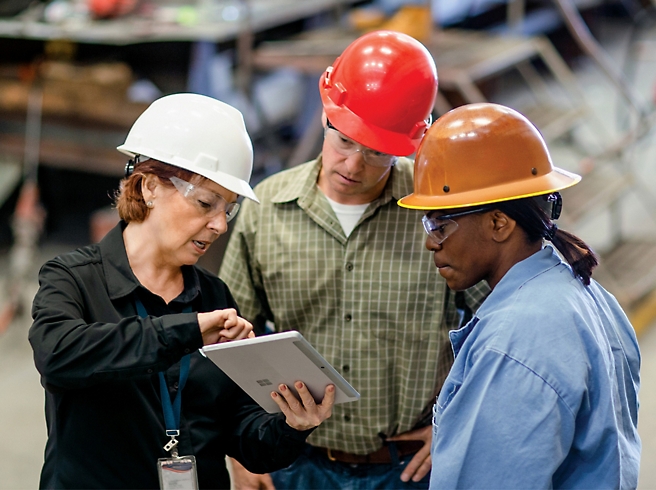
(128, 199)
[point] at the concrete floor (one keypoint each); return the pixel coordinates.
(22, 425)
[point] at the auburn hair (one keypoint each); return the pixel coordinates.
(128, 199)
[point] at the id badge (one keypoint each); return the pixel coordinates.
(177, 473)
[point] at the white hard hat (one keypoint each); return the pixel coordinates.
(197, 133)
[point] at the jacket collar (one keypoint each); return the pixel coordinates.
(121, 281)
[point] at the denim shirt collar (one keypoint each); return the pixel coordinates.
(518, 275)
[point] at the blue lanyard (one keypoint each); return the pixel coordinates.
(171, 409)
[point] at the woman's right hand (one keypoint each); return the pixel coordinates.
(223, 325)
(304, 413)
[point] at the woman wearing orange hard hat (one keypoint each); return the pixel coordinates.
(543, 390)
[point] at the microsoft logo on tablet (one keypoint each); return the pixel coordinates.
(264, 382)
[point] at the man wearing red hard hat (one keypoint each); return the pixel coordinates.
(328, 252)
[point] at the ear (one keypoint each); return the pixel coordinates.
(149, 184)
(502, 226)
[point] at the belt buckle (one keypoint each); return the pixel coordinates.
(329, 453)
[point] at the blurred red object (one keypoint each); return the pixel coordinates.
(107, 9)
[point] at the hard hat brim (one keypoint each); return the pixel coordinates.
(233, 184)
(376, 138)
(556, 180)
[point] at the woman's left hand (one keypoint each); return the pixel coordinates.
(223, 326)
(305, 413)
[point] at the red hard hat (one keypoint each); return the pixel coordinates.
(380, 92)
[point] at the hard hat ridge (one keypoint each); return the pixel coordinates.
(197, 133)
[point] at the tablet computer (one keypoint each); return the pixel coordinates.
(260, 364)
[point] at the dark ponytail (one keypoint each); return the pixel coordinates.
(534, 215)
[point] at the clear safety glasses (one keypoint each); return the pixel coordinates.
(208, 203)
(345, 146)
(441, 227)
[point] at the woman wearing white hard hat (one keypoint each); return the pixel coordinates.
(130, 400)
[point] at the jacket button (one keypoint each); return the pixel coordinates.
(346, 368)
(348, 317)
(186, 351)
(347, 418)
(349, 266)
(150, 371)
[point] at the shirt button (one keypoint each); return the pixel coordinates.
(348, 317)
(349, 266)
(346, 368)
(347, 418)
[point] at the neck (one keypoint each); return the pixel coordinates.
(148, 263)
(509, 256)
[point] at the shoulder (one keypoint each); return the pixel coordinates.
(546, 306)
(402, 177)
(273, 184)
(77, 259)
(548, 319)
(405, 166)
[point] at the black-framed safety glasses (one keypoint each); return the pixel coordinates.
(441, 227)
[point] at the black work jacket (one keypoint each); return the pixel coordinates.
(99, 363)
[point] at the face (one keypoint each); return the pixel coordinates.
(349, 179)
(463, 257)
(186, 221)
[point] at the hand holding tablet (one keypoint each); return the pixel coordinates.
(260, 365)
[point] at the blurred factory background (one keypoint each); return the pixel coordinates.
(75, 74)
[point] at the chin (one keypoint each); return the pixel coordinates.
(455, 284)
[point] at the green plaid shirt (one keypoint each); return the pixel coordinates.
(372, 304)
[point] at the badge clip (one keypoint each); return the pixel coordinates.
(171, 446)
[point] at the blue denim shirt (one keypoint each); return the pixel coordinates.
(544, 389)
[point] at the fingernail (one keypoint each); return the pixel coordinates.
(282, 387)
(274, 394)
(299, 385)
(331, 388)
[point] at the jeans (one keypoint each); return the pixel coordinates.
(314, 471)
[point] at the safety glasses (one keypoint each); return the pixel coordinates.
(441, 227)
(208, 203)
(345, 146)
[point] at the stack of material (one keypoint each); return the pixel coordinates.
(97, 93)
(84, 112)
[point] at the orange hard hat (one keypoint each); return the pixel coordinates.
(380, 92)
(479, 154)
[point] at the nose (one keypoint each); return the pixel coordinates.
(218, 224)
(355, 161)
(432, 245)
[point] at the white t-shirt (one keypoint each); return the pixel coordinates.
(348, 214)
